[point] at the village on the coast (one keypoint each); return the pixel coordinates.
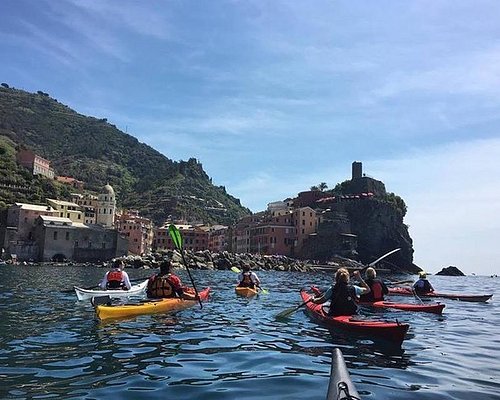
(89, 228)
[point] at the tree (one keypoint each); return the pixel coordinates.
(323, 186)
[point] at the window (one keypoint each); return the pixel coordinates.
(55, 235)
(103, 245)
(67, 235)
(76, 243)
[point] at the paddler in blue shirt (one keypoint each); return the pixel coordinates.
(422, 286)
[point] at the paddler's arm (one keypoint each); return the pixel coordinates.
(363, 284)
(324, 297)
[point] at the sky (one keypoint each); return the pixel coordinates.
(273, 97)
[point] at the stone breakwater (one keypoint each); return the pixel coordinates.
(207, 260)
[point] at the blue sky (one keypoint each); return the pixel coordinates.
(274, 97)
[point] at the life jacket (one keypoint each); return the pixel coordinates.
(377, 291)
(422, 286)
(343, 300)
(161, 287)
(114, 280)
(247, 280)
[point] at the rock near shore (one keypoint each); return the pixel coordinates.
(450, 271)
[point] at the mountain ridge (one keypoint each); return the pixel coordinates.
(97, 153)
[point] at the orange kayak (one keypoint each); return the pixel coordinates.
(245, 291)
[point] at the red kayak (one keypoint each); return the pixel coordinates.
(429, 308)
(391, 331)
(406, 291)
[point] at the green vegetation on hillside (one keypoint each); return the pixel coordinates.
(97, 153)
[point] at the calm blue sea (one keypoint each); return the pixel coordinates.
(52, 347)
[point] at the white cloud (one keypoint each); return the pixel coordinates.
(453, 203)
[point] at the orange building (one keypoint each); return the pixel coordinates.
(137, 229)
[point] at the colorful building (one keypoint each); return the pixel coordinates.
(138, 230)
(67, 209)
(34, 163)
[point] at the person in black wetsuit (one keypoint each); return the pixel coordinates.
(343, 296)
(377, 287)
(422, 286)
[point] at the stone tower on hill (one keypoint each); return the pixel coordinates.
(360, 183)
(106, 207)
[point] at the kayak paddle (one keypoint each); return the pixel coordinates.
(399, 282)
(177, 239)
(290, 311)
(238, 271)
(384, 256)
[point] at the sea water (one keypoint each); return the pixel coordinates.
(53, 347)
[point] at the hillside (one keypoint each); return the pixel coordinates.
(96, 152)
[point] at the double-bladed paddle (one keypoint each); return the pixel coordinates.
(238, 271)
(177, 239)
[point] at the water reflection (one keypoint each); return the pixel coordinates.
(53, 345)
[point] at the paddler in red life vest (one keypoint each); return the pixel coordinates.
(377, 287)
(248, 278)
(343, 296)
(116, 278)
(422, 286)
(167, 285)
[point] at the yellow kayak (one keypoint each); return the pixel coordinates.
(245, 291)
(150, 307)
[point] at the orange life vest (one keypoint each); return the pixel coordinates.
(161, 287)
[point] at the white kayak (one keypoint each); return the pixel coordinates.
(87, 294)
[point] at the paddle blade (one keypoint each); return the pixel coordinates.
(236, 269)
(286, 313)
(264, 291)
(175, 235)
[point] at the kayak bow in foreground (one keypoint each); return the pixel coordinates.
(340, 386)
(151, 307)
(390, 331)
(478, 298)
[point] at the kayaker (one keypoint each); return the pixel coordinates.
(116, 278)
(343, 296)
(422, 286)
(167, 285)
(377, 287)
(248, 278)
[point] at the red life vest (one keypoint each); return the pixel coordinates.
(115, 279)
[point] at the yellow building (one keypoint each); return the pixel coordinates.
(67, 209)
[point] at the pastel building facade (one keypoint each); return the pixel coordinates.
(138, 230)
(88, 205)
(34, 163)
(67, 209)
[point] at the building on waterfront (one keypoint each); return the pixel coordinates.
(34, 163)
(61, 239)
(194, 237)
(217, 238)
(305, 222)
(138, 230)
(18, 236)
(67, 209)
(88, 205)
(106, 207)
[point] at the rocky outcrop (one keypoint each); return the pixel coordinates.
(450, 271)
